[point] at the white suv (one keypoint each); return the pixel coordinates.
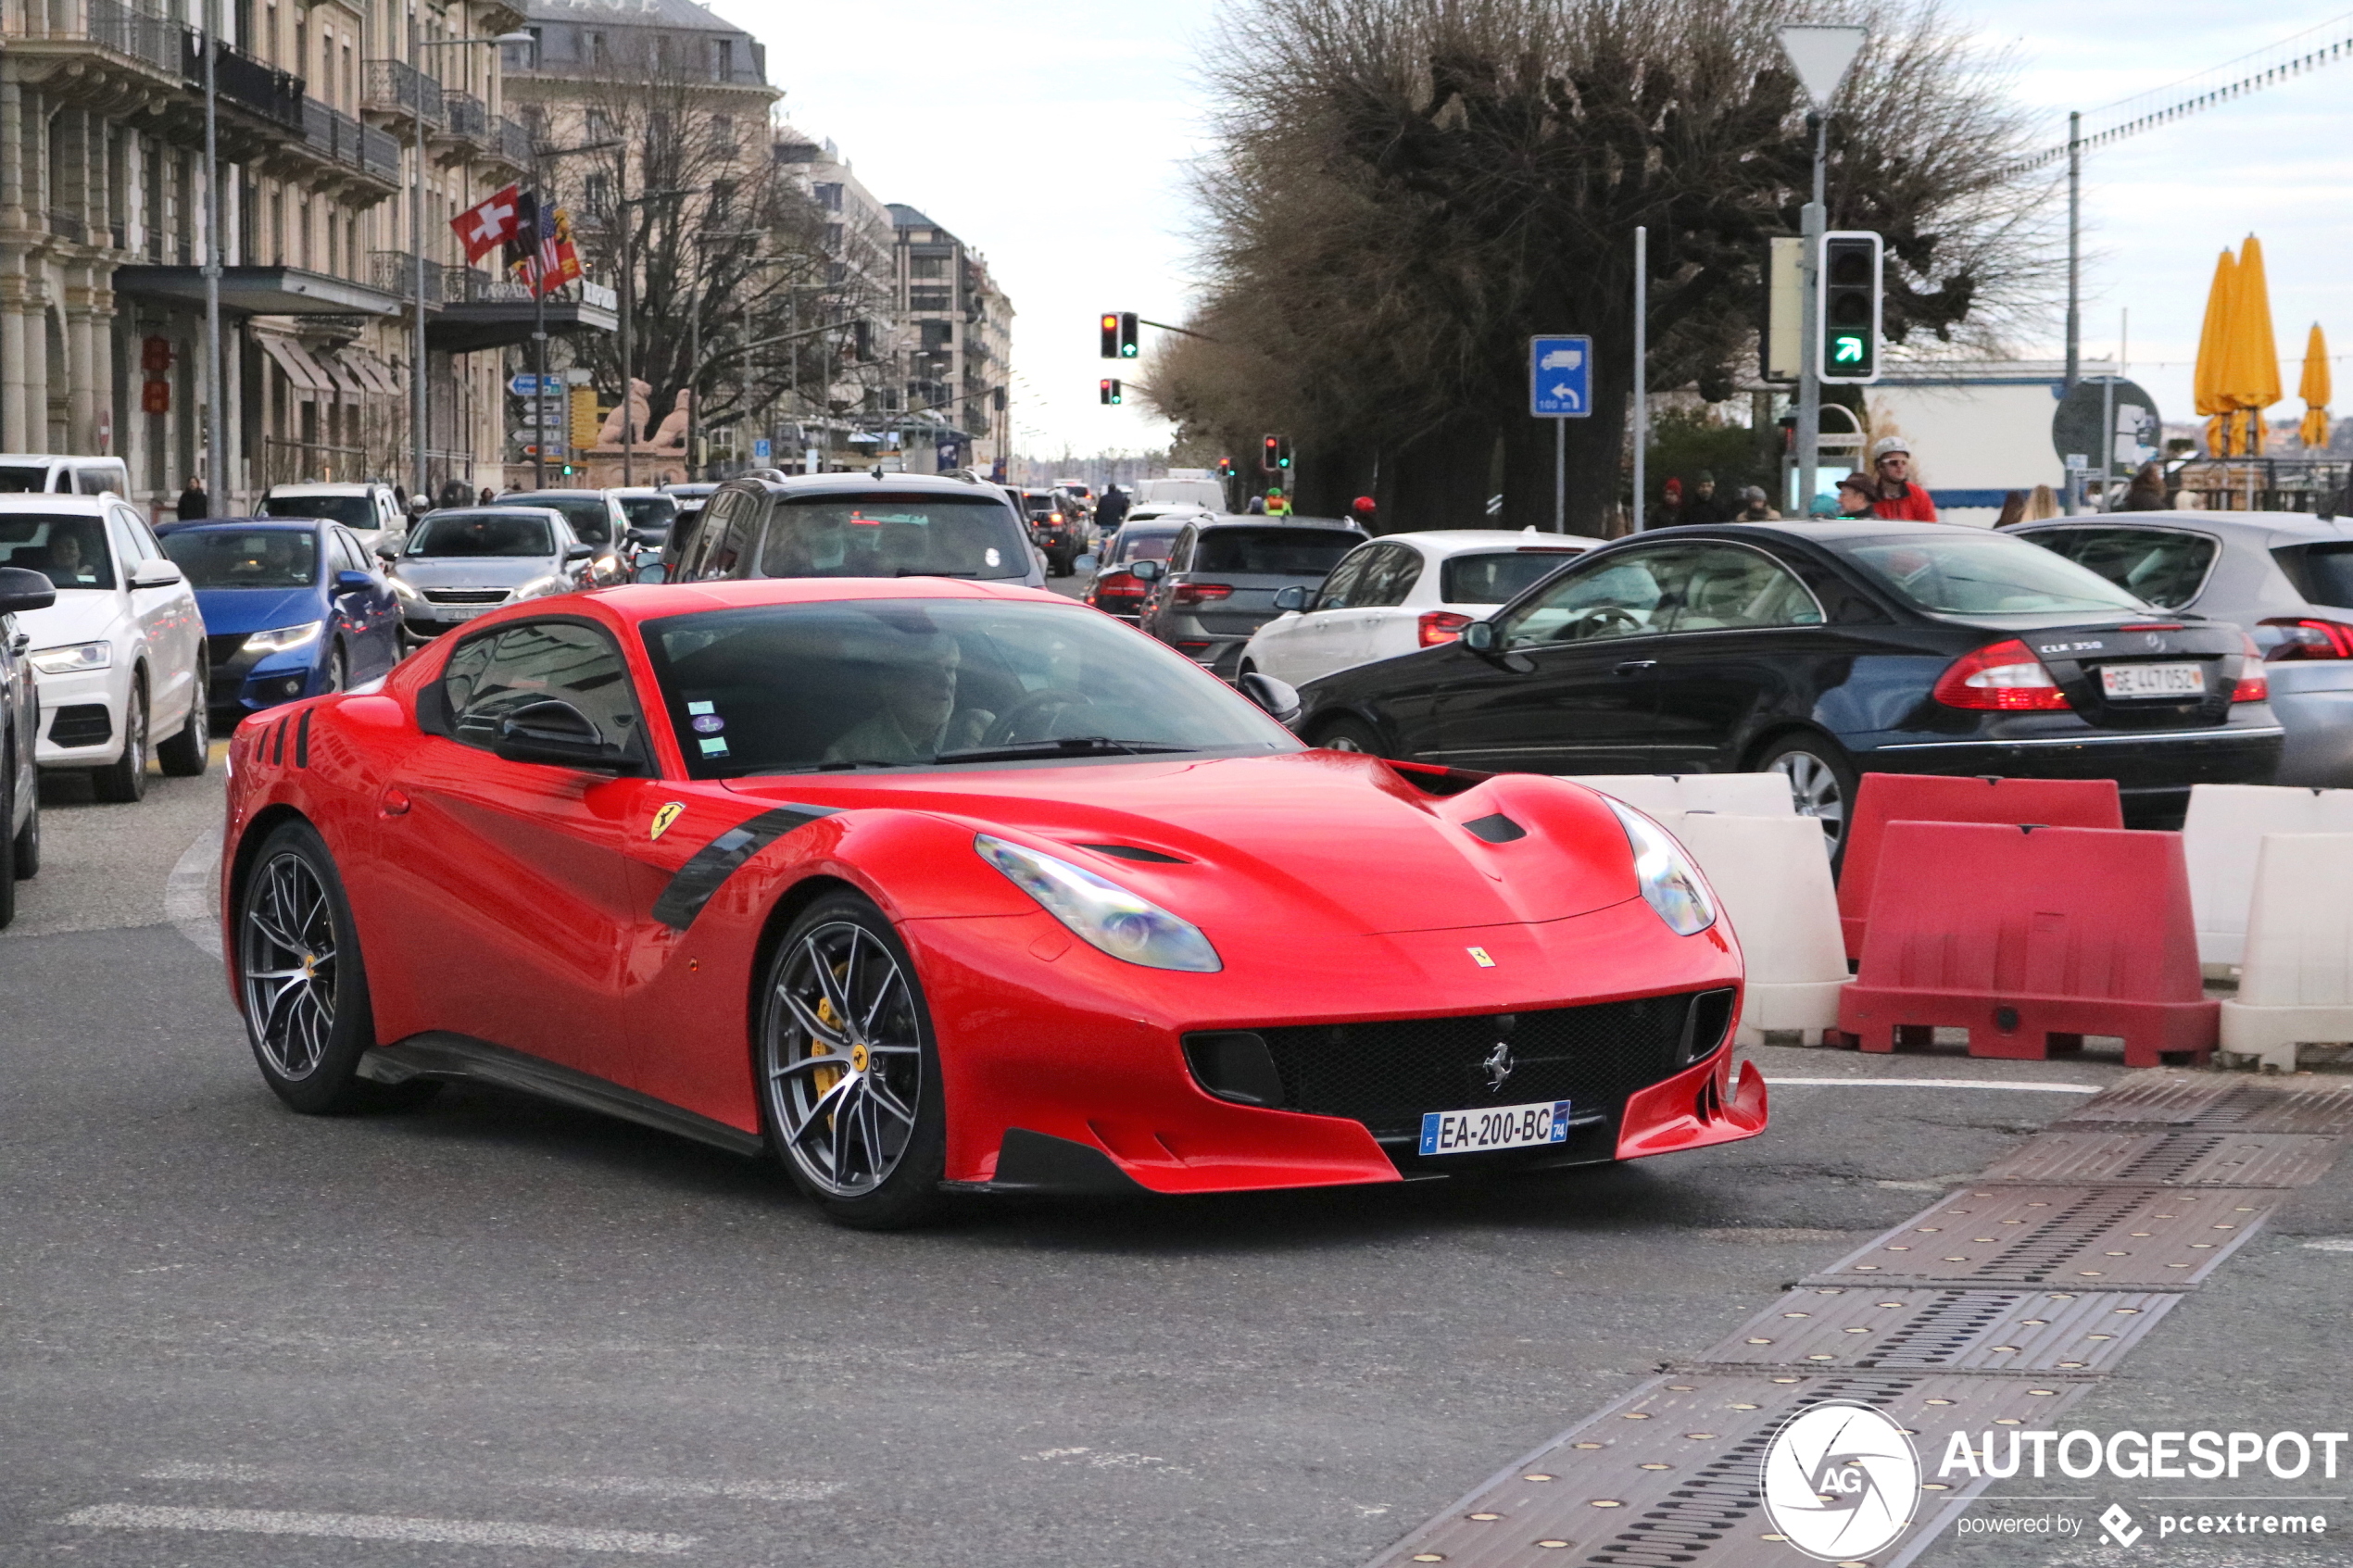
(369, 510)
(119, 658)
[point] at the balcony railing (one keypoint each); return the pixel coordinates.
(396, 87)
(396, 274)
(379, 152)
(466, 116)
(274, 94)
(510, 141)
(332, 133)
(125, 29)
(473, 285)
(69, 226)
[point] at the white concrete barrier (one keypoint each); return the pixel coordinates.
(1773, 883)
(2219, 838)
(2295, 981)
(1665, 795)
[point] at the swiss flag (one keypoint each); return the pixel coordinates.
(484, 228)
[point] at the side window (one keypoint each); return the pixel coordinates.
(561, 660)
(1392, 577)
(1180, 555)
(2165, 566)
(347, 554)
(128, 549)
(727, 546)
(1633, 593)
(1730, 588)
(97, 481)
(1339, 591)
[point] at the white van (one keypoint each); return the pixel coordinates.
(1206, 493)
(47, 473)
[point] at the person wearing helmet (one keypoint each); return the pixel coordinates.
(1277, 504)
(1900, 499)
(1363, 511)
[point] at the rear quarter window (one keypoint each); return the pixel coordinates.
(2322, 573)
(2167, 567)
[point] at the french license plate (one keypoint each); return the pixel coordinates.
(2153, 680)
(1504, 1126)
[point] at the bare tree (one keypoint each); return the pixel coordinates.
(1431, 182)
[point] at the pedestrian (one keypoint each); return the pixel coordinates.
(2013, 509)
(2042, 506)
(1114, 511)
(453, 492)
(1858, 496)
(1256, 506)
(194, 502)
(1364, 509)
(1754, 508)
(488, 495)
(2146, 492)
(1669, 511)
(1277, 504)
(1704, 506)
(1899, 497)
(400, 496)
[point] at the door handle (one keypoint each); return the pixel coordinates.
(1635, 667)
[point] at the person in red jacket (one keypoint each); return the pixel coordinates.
(1899, 497)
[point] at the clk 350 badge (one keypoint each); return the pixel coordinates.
(1479, 957)
(670, 812)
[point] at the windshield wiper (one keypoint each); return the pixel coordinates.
(1067, 745)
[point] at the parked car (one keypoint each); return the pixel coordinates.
(1218, 585)
(1056, 527)
(119, 656)
(1207, 494)
(469, 561)
(372, 511)
(2286, 577)
(855, 525)
(597, 519)
(1399, 593)
(1145, 535)
(1822, 650)
(56, 474)
(20, 592)
(293, 607)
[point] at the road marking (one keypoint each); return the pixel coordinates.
(2331, 1244)
(376, 1527)
(1776, 1081)
(190, 896)
(611, 1485)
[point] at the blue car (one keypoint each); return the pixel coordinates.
(293, 607)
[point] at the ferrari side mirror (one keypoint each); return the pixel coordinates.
(555, 732)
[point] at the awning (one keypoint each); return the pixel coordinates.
(295, 362)
(380, 377)
(346, 383)
(321, 382)
(259, 290)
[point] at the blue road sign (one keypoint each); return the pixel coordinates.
(1560, 377)
(760, 451)
(525, 384)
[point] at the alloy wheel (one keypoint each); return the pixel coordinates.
(843, 1057)
(286, 949)
(1814, 788)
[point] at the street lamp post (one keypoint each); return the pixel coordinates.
(629, 308)
(215, 458)
(1821, 56)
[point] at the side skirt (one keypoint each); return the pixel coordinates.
(438, 1055)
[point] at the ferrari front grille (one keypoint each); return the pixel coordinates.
(467, 596)
(1387, 1073)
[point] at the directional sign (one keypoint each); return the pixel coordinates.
(1560, 377)
(524, 384)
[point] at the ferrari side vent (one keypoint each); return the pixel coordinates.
(1234, 1064)
(278, 747)
(302, 741)
(1136, 852)
(1495, 828)
(1711, 1015)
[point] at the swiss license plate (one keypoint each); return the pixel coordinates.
(1503, 1126)
(2153, 680)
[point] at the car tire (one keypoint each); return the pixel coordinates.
(1348, 734)
(1821, 781)
(24, 851)
(874, 1160)
(8, 873)
(338, 670)
(124, 780)
(307, 1022)
(189, 753)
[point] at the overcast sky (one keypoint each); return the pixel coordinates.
(1052, 136)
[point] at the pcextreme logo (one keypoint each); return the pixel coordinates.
(1840, 1481)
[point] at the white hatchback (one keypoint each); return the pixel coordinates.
(119, 659)
(1402, 593)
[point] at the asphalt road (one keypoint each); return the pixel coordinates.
(496, 1332)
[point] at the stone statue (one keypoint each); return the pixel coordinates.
(639, 407)
(671, 436)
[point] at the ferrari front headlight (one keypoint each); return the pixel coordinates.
(1671, 885)
(1100, 912)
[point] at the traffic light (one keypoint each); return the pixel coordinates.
(1111, 391)
(1274, 453)
(1110, 335)
(1850, 306)
(1127, 334)
(1225, 467)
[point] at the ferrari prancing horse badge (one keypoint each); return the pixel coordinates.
(669, 813)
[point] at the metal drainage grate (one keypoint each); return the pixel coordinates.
(1923, 1328)
(2092, 1238)
(2209, 1102)
(1669, 1474)
(2176, 1157)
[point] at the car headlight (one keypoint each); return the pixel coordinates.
(402, 591)
(286, 637)
(1671, 885)
(1103, 913)
(75, 659)
(541, 585)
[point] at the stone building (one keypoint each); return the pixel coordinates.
(956, 329)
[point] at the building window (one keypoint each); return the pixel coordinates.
(594, 190)
(927, 267)
(598, 53)
(726, 63)
(722, 136)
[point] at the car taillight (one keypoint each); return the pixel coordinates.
(1194, 593)
(2304, 637)
(1441, 626)
(1053, 517)
(2253, 685)
(1120, 586)
(2000, 677)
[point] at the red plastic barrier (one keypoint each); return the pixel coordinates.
(2031, 938)
(1883, 798)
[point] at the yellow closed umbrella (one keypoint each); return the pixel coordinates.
(2314, 390)
(2251, 369)
(2213, 344)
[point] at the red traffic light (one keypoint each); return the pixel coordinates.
(1110, 335)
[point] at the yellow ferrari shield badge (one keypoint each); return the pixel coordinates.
(1479, 957)
(670, 812)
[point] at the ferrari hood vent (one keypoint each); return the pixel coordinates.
(1495, 828)
(1137, 852)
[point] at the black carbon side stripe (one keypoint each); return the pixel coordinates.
(709, 867)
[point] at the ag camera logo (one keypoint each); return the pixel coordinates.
(1840, 1480)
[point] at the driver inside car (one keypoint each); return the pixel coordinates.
(913, 676)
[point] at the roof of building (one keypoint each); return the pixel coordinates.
(632, 13)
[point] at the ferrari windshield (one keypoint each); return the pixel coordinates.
(481, 533)
(927, 682)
